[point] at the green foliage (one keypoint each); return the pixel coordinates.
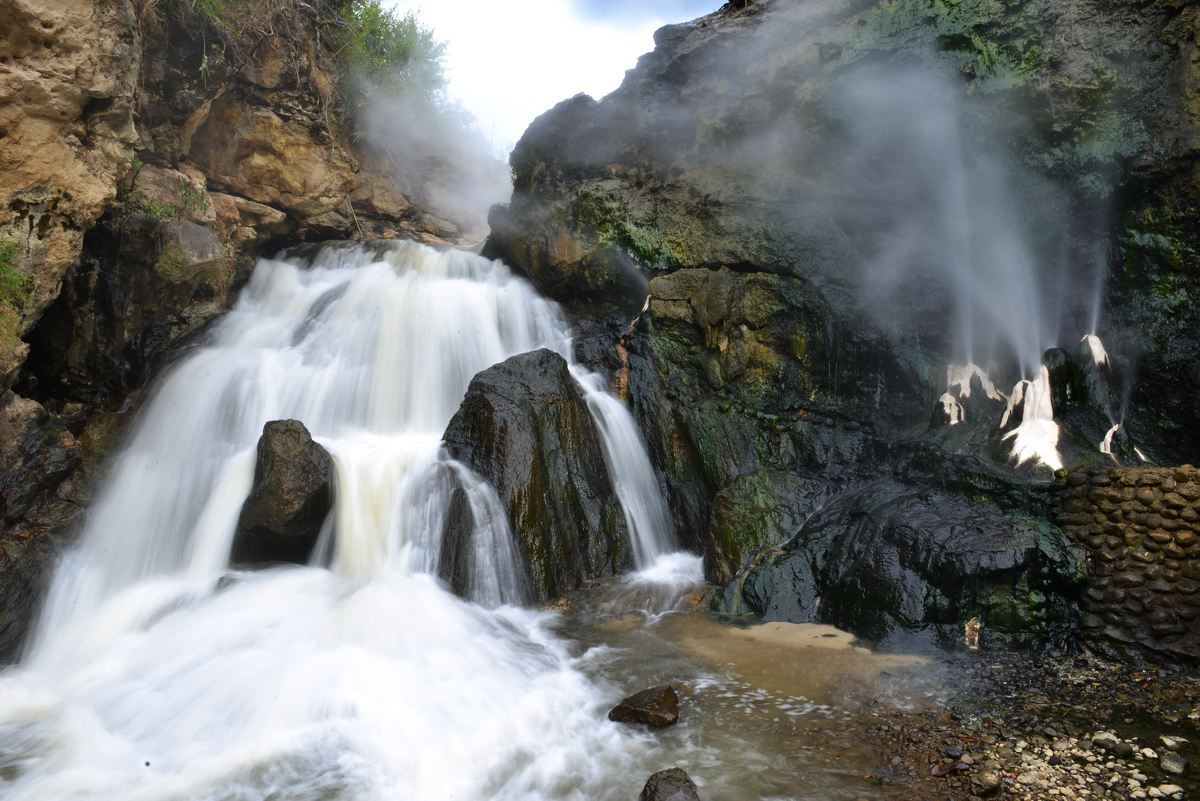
(192, 198)
(14, 285)
(391, 52)
(137, 202)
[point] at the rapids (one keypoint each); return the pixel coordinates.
(156, 673)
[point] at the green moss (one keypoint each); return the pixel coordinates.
(14, 284)
(139, 203)
(609, 219)
(170, 264)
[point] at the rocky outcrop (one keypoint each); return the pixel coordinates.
(730, 229)
(657, 707)
(524, 426)
(672, 784)
(67, 82)
(889, 558)
(1140, 529)
(290, 499)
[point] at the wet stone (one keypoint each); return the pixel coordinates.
(670, 785)
(657, 707)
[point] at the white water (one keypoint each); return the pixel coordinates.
(1036, 437)
(952, 408)
(1096, 348)
(149, 680)
(961, 376)
(1106, 443)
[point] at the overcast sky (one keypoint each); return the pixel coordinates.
(507, 62)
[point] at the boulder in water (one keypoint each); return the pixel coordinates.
(524, 426)
(670, 785)
(290, 499)
(657, 707)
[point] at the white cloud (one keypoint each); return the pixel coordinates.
(508, 62)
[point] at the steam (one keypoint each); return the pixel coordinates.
(435, 154)
(951, 213)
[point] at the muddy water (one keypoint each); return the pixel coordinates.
(774, 711)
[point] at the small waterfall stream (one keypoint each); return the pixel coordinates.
(358, 677)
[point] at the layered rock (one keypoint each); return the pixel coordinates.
(290, 499)
(524, 426)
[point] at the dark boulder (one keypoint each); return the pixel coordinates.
(670, 785)
(887, 558)
(524, 426)
(657, 707)
(290, 499)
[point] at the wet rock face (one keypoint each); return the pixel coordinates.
(888, 558)
(657, 707)
(290, 499)
(1141, 530)
(757, 510)
(143, 286)
(524, 426)
(670, 785)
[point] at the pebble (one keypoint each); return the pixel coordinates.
(1173, 763)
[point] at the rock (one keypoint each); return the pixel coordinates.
(887, 557)
(142, 287)
(1104, 740)
(1173, 763)
(66, 116)
(291, 497)
(257, 154)
(1123, 749)
(524, 426)
(757, 510)
(986, 783)
(1174, 743)
(670, 785)
(172, 193)
(657, 707)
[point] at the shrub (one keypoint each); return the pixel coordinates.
(391, 53)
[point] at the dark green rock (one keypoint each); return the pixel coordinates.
(524, 426)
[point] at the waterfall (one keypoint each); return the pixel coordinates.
(149, 677)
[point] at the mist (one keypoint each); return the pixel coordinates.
(435, 153)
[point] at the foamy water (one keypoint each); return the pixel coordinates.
(155, 675)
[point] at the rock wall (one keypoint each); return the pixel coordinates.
(1140, 528)
(719, 247)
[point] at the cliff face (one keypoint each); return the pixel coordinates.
(760, 184)
(146, 162)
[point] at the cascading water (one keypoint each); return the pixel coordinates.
(151, 678)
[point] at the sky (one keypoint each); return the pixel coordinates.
(508, 62)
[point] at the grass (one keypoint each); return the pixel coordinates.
(14, 288)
